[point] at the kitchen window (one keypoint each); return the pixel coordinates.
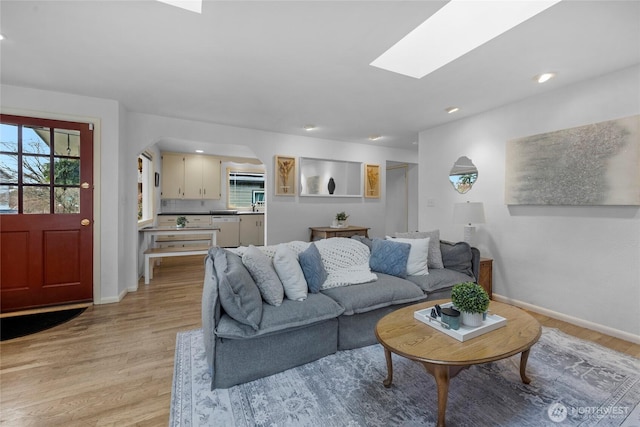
(245, 189)
(146, 181)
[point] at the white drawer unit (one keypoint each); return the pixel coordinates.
(229, 234)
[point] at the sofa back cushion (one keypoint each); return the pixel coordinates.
(239, 296)
(389, 257)
(457, 257)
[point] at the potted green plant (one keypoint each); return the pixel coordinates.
(471, 300)
(341, 218)
(181, 222)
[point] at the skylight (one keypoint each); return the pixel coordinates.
(456, 29)
(191, 5)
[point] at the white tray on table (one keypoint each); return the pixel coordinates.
(491, 323)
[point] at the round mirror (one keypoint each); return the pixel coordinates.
(463, 174)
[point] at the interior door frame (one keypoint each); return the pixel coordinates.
(97, 176)
(405, 205)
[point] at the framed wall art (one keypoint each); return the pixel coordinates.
(285, 172)
(596, 164)
(372, 181)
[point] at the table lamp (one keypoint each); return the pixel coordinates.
(468, 213)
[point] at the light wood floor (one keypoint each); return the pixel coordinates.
(113, 364)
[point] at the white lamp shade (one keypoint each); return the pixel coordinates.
(468, 213)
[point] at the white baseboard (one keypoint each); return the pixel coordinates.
(112, 300)
(570, 319)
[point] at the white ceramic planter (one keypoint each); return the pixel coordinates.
(471, 319)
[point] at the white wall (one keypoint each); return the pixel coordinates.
(120, 136)
(106, 116)
(579, 263)
(288, 217)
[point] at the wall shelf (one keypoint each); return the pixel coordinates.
(315, 175)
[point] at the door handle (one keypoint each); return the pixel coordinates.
(84, 185)
(85, 222)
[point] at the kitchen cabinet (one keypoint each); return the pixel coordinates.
(229, 234)
(201, 177)
(172, 176)
(252, 230)
(189, 176)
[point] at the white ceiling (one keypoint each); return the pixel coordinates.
(277, 66)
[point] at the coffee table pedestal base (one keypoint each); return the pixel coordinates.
(442, 375)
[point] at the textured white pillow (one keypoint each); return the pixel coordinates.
(435, 254)
(418, 256)
(261, 268)
(285, 261)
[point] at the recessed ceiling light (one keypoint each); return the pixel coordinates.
(199, 151)
(309, 127)
(375, 137)
(1, 36)
(544, 77)
(452, 109)
(456, 29)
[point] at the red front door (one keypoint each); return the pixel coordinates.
(46, 212)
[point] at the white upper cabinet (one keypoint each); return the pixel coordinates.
(190, 176)
(172, 176)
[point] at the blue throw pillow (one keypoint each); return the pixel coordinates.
(312, 268)
(389, 257)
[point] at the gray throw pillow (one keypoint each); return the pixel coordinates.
(261, 268)
(239, 295)
(389, 257)
(434, 259)
(457, 257)
(312, 268)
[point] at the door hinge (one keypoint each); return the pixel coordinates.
(90, 126)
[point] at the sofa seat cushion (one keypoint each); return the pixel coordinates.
(439, 278)
(387, 290)
(289, 315)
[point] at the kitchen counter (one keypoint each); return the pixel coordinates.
(214, 213)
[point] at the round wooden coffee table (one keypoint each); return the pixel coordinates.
(443, 356)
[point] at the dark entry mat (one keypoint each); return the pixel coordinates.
(19, 326)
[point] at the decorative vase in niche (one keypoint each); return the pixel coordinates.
(471, 319)
(332, 186)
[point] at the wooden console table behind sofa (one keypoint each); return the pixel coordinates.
(318, 233)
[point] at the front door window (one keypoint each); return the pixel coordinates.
(39, 170)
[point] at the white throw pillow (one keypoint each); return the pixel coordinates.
(285, 261)
(418, 256)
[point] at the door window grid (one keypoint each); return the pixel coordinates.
(28, 183)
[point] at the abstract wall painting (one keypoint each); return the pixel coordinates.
(597, 164)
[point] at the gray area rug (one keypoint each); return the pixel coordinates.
(574, 383)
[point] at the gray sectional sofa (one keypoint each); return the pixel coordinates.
(268, 339)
